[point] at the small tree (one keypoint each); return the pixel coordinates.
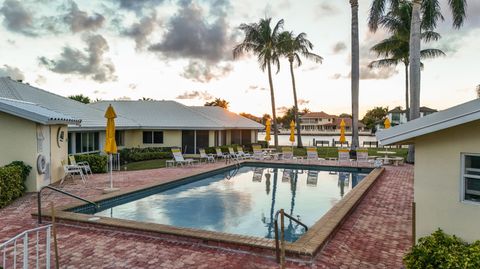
(218, 102)
(373, 116)
(80, 98)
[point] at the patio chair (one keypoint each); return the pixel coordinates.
(343, 155)
(209, 158)
(243, 154)
(258, 154)
(71, 171)
(85, 166)
(362, 157)
(178, 157)
(234, 155)
(312, 154)
(220, 154)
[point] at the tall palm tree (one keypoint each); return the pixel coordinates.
(355, 73)
(430, 16)
(395, 49)
(262, 40)
(292, 47)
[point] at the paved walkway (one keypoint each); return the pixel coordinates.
(376, 235)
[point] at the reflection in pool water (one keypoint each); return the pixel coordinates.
(244, 202)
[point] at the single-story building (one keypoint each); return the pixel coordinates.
(447, 169)
(37, 136)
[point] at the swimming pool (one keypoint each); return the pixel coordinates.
(241, 200)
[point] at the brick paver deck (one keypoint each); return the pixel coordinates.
(376, 235)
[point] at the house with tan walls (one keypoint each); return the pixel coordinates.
(37, 136)
(447, 169)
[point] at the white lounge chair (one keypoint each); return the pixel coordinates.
(220, 154)
(178, 157)
(234, 155)
(244, 155)
(71, 171)
(207, 157)
(362, 157)
(258, 154)
(312, 154)
(85, 166)
(343, 155)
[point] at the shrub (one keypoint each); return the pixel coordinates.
(440, 250)
(143, 154)
(11, 183)
(97, 162)
(25, 168)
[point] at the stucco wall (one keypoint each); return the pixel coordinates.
(438, 182)
(18, 143)
(58, 152)
(134, 139)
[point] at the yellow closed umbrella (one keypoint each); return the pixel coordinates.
(387, 123)
(342, 132)
(292, 131)
(110, 143)
(268, 129)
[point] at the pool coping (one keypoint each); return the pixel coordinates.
(305, 247)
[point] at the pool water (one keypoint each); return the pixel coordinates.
(244, 201)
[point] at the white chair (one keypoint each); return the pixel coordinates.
(71, 171)
(234, 155)
(220, 154)
(258, 154)
(178, 157)
(312, 154)
(343, 155)
(243, 154)
(85, 166)
(207, 157)
(362, 157)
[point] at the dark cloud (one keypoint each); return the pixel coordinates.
(191, 35)
(141, 30)
(339, 47)
(12, 72)
(88, 63)
(79, 20)
(17, 18)
(195, 95)
(201, 72)
(138, 5)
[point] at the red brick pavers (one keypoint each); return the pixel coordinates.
(376, 235)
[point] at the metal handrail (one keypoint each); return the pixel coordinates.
(39, 200)
(277, 248)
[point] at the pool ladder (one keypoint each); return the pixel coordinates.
(280, 253)
(39, 199)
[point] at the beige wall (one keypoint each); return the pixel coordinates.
(134, 139)
(58, 152)
(18, 142)
(438, 182)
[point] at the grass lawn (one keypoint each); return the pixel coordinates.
(332, 152)
(143, 165)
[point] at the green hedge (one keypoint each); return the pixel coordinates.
(142, 154)
(440, 250)
(12, 181)
(97, 162)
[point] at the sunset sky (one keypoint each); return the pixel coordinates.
(182, 50)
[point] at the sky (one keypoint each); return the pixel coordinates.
(182, 50)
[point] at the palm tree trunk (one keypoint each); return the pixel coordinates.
(297, 122)
(355, 73)
(406, 93)
(414, 60)
(274, 113)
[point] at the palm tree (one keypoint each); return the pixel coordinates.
(218, 102)
(395, 49)
(292, 47)
(355, 76)
(429, 18)
(262, 40)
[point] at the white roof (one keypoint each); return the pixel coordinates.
(454, 116)
(35, 112)
(173, 115)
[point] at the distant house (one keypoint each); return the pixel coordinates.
(398, 116)
(323, 122)
(447, 169)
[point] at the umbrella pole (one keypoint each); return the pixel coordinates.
(111, 180)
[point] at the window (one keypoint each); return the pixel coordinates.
(86, 142)
(120, 138)
(471, 177)
(395, 117)
(152, 137)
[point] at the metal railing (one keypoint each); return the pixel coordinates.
(277, 247)
(115, 162)
(25, 252)
(39, 199)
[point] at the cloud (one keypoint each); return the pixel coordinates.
(325, 9)
(195, 95)
(88, 63)
(255, 88)
(282, 109)
(336, 76)
(201, 72)
(141, 30)
(138, 5)
(339, 47)
(17, 18)
(41, 80)
(377, 73)
(302, 102)
(191, 35)
(79, 20)
(12, 72)
(132, 86)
